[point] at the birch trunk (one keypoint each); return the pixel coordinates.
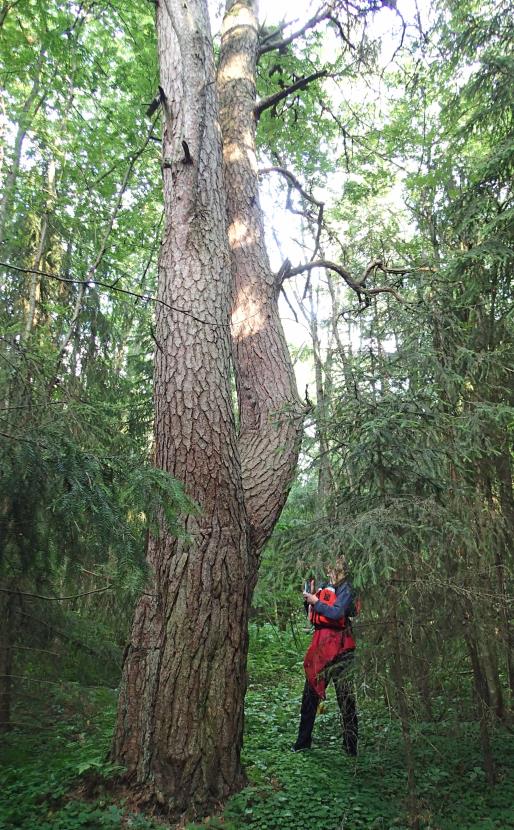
(29, 110)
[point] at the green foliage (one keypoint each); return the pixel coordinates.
(51, 762)
(81, 204)
(327, 789)
(40, 770)
(418, 408)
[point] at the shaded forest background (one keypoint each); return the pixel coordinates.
(407, 458)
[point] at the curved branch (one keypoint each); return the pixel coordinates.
(355, 285)
(56, 599)
(294, 182)
(291, 178)
(111, 287)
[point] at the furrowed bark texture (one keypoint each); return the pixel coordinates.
(180, 718)
(269, 408)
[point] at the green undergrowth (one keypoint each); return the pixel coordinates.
(55, 753)
(327, 789)
(60, 742)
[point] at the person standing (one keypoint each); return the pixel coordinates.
(329, 657)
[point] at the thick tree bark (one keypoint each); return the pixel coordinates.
(180, 718)
(270, 411)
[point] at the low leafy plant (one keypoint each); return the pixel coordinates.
(65, 740)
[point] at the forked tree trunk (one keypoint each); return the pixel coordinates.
(180, 716)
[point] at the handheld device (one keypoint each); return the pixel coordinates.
(309, 587)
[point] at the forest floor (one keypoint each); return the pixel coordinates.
(60, 743)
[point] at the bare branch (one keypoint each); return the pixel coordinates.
(358, 287)
(268, 45)
(402, 38)
(25, 440)
(378, 265)
(355, 138)
(282, 273)
(113, 287)
(318, 233)
(32, 679)
(56, 599)
(294, 182)
(110, 287)
(301, 83)
(288, 301)
(339, 27)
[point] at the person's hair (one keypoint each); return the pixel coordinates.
(339, 568)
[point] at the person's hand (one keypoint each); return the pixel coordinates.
(310, 598)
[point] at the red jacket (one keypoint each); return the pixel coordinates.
(333, 636)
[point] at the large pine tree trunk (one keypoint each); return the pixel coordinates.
(180, 716)
(270, 411)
